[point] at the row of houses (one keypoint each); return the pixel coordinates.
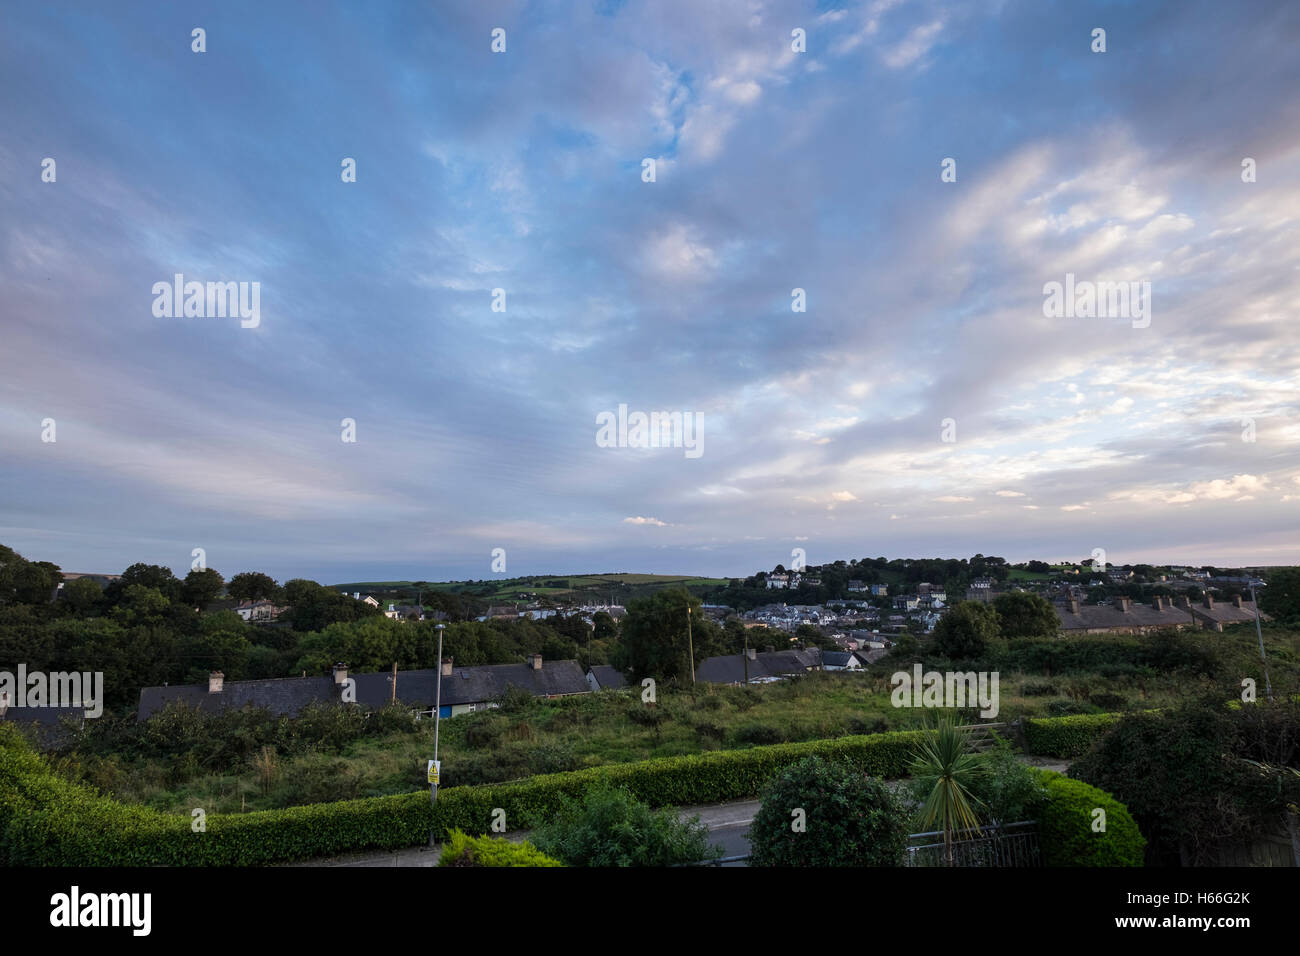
(1123, 616)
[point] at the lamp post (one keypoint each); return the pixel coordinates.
(690, 643)
(437, 716)
(1259, 632)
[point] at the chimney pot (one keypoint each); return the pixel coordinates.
(216, 679)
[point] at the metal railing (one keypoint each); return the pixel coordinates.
(1015, 844)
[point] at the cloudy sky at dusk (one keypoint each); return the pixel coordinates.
(522, 171)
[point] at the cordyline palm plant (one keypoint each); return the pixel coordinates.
(947, 759)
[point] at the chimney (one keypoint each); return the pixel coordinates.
(446, 666)
(535, 661)
(215, 680)
(1158, 603)
(1124, 604)
(4, 703)
(751, 653)
(1209, 600)
(1185, 602)
(340, 672)
(1236, 600)
(770, 649)
(1072, 605)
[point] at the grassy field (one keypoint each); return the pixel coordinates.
(613, 727)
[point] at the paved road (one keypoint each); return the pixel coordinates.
(728, 825)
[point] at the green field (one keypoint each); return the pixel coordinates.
(575, 588)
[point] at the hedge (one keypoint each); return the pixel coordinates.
(463, 850)
(1067, 736)
(1065, 826)
(46, 820)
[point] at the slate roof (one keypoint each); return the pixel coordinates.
(836, 658)
(465, 685)
(1092, 616)
(608, 676)
(730, 668)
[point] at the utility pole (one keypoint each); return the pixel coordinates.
(1268, 687)
(690, 643)
(745, 657)
(437, 715)
(394, 682)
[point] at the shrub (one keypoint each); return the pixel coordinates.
(462, 850)
(848, 819)
(1008, 791)
(711, 731)
(1108, 701)
(759, 734)
(1067, 736)
(1038, 689)
(1065, 826)
(1185, 778)
(610, 827)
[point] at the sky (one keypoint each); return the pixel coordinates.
(923, 404)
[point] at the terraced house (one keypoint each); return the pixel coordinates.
(464, 689)
(1126, 617)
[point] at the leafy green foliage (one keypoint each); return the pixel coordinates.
(966, 630)
(827, 813)
(463, 850)
(1067, 736)
(1066, 833)
(610, 827)
(1185, 775)
(945, 769)
(1021, 614)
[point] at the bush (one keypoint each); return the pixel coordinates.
(1065, 826)
(462, 850)
(1067, 736)
(1008, 791)
(848, 819)
(1068, 708)
(610, 827)
(1185, 777)
(1038, 689)
(1107, 701)
(759, 734)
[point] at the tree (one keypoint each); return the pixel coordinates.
(1281, 598)
(823, 813)
(252, 586)
(82, 594)
(35, 582)
(966, 630)
(946, 767)
(606, 628)
(654, 640)
(147, 575)
(1021, 614)
(141, 605)
(201, 588)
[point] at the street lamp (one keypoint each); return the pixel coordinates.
(1259, 632)
(437, 716)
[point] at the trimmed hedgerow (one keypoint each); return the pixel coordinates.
(464, 850)
(1066, 820)
(46, 820)
(1067, 736)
